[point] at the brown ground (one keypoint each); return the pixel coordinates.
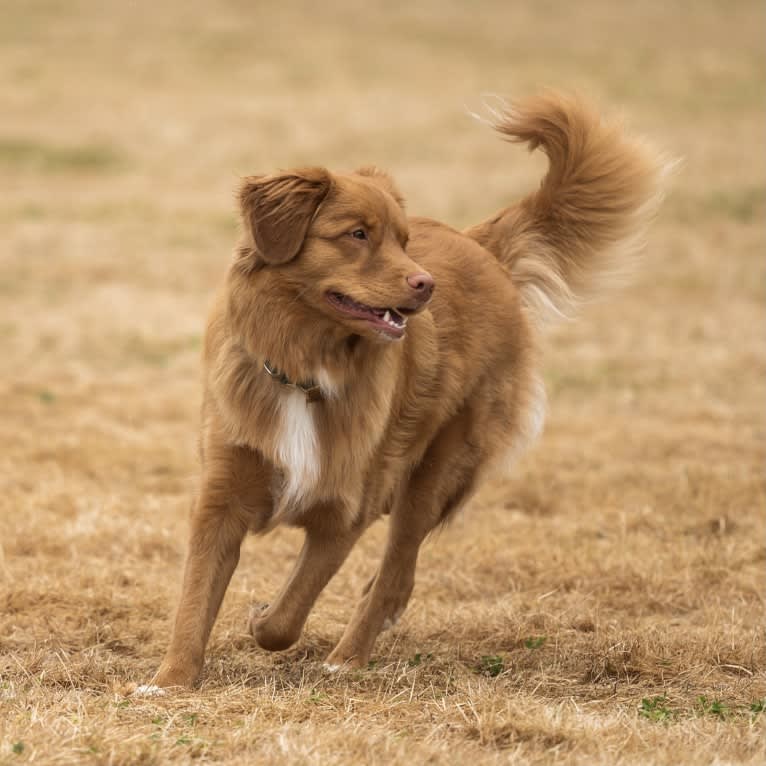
(605, 606)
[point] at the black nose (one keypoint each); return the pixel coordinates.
(422, 282)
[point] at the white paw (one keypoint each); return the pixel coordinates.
(389, 622)
(149, 690)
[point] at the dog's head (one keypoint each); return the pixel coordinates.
(338, 241)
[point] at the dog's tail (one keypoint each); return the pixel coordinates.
(586, 221)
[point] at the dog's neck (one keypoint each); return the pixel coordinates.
(302, 344)
(254, 320)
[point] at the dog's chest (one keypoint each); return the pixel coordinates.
(297, 447)
(324, 450)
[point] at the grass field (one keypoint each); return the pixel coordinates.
(603, 606)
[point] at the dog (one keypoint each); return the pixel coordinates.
(360, 363)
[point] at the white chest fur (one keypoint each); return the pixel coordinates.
(297, 447)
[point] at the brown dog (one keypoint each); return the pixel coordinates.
(360, 363)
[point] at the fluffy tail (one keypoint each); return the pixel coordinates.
(585, 223)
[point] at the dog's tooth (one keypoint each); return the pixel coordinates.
(387, 317)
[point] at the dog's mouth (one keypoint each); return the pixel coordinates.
(388, 321)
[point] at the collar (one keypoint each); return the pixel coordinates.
(309, 387)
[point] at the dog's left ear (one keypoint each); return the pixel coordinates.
(383, 180)
(277, 210)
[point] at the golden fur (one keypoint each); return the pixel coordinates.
(405, 426)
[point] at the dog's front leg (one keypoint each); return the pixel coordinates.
(213, 555)
(234, 496)
(328, 542)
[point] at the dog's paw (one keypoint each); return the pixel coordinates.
(271, 630)
(389, 622)
(255, 615)
(148, 690)
(258, 610)
(340, 665)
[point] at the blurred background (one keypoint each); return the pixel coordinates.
(124, 128)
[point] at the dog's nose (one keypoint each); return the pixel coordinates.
(423, 283)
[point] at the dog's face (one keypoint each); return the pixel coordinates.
(339, 242)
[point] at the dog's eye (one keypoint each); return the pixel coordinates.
(359, 234)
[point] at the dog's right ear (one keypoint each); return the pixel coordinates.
(277, 210)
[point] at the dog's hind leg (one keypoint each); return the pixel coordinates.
(324, 550)
(444, 481)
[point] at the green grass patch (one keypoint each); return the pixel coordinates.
(156, 352)
(655, 709)
(658, 709)
(39, 156)
(715, 707)
(46, 396)
(491, 665)
(743, 204)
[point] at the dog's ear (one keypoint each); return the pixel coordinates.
(277, 210)
(383, 180)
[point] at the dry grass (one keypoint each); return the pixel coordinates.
(605, 606)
